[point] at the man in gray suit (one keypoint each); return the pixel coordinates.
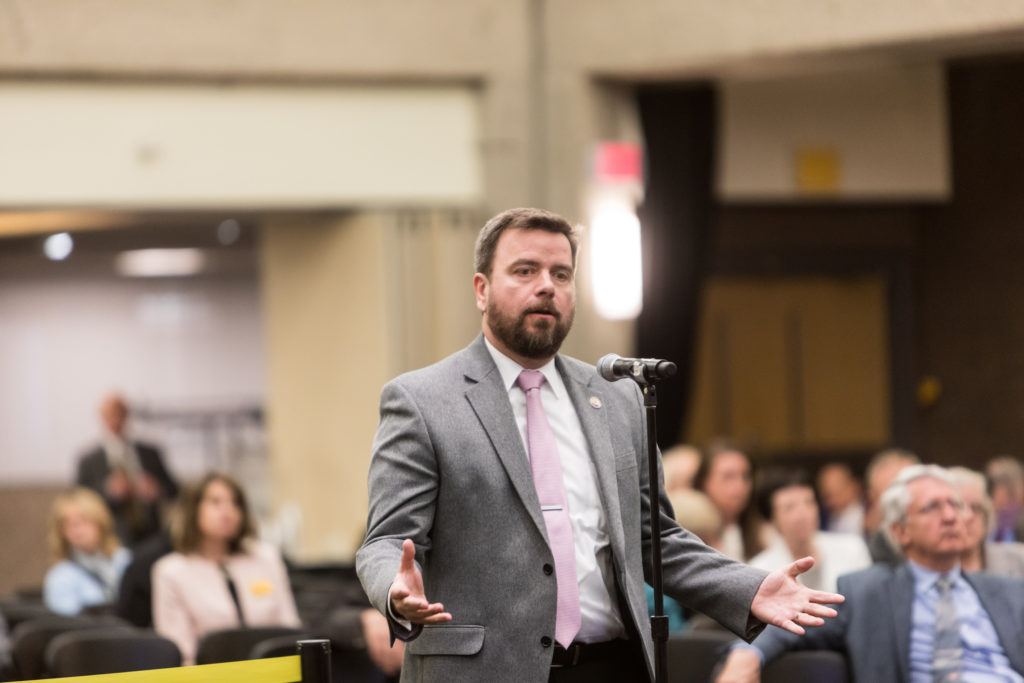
(455, 516)
(891, 625)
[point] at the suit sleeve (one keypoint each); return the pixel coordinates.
(403, 484)
(154, 464)
(695, 574)
(92, 473)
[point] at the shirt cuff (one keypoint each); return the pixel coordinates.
(404, 623)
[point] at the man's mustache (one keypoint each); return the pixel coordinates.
(543, 309)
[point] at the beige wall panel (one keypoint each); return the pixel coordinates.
(250, 147)
(846, 364)
(884, 128)
(324, 300)
(24, 515)
(793, 364)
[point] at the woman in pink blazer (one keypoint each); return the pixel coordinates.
(220, 576)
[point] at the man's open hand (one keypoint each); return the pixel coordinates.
(783, 601)
(407, 598)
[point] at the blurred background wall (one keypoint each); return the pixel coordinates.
(830, 223)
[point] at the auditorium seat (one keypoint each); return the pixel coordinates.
(347, 665)
(17, 610)
(693, 655)
(236, 644)
(109, 650)
(820, 666)
(31, 638)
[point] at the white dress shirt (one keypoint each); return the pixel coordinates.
(120, 452)
(838, 554)
(600, 618)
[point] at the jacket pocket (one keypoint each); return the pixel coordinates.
(444, 639)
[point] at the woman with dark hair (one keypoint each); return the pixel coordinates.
(220, 576)
(89, 558)
(786, 498)
(725, 476)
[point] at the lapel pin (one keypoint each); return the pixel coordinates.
(595, 402)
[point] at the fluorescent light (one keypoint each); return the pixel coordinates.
(616, 261)
(159, 262)
(58, 247)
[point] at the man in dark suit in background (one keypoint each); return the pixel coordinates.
(130, 475)
(921, 621)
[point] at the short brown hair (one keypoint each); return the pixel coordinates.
(519, 219)
(94, 507)
(187, 535)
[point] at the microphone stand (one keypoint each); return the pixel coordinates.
(659, 622)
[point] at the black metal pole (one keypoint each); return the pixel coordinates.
(659, 622)
(315, 660)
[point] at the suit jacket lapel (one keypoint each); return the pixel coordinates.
(582, 388)
(489, 399)
(901, 601)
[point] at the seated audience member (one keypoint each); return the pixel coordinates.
(842, 498)
(725, 476)
(698, 515)
(220, 576)
(880, 472)
(786, 499)
(981, 554)
(90, 560)
(679, 466)
(922, 621)
(1006, 487)
(129, 474)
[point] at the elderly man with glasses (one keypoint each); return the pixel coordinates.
(923, 621)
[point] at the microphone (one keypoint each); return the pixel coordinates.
(614, 367)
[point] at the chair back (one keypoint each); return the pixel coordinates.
(17, 610)
(30, 639)
(820, 666)
(693, 655)
(235, 644)
(278, 646)
(108, 651)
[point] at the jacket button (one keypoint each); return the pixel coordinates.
(548, 569)
(545, 641)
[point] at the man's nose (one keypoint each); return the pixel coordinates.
(545, 283)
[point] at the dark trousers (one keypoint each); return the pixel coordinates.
(626, 665)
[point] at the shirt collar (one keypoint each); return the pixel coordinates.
(924, 578)
(510, 370)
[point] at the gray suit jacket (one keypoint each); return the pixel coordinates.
(449, 471)
(873, 625)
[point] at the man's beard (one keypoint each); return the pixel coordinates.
(541, 342)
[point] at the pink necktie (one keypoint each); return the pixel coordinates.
(547, 478)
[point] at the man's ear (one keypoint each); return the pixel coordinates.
(480, 286)
(898, 533)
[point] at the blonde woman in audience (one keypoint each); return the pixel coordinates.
(1005, 559)
(89, 558)
(220, 576)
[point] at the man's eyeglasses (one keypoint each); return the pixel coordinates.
(938, 506)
